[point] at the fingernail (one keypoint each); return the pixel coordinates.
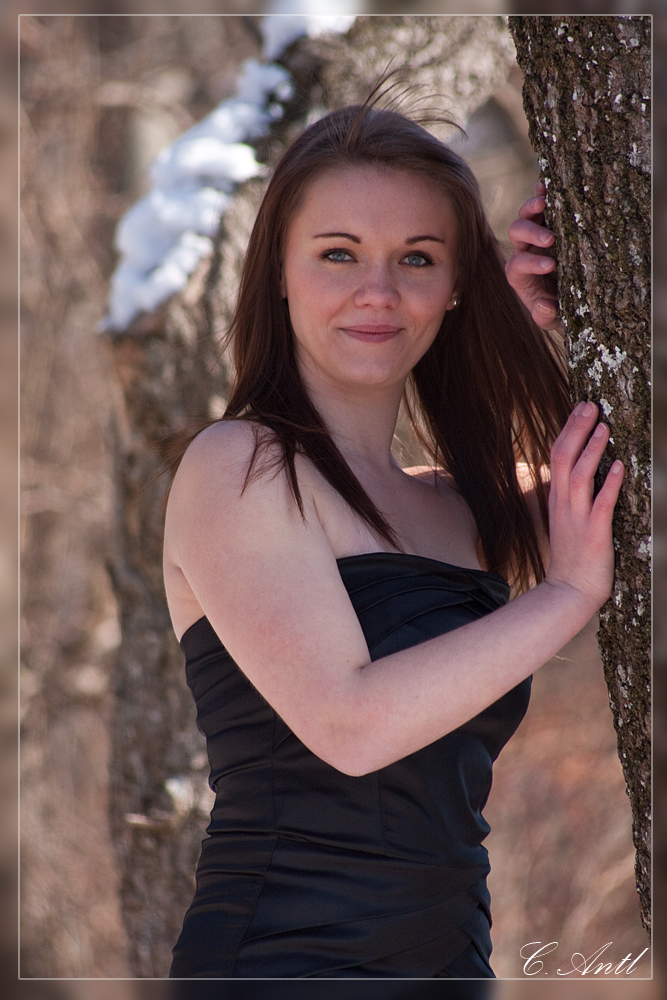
(546, 262)
(579, 407)
(599, 431)
(617, 467)
(546, 237)
(588, 409)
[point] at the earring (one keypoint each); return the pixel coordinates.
(455, 302)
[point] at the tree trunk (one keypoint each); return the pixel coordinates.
(77, 165)
(71, 923)
(169, 369)
(587, 98)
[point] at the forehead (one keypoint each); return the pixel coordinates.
(372, 195)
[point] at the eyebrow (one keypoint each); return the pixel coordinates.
(420, 239)
(355, 239)
(345, 236)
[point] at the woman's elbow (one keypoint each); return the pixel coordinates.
(349, 749)
(353, 765)
(345, 731)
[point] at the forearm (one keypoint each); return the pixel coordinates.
(405, 701)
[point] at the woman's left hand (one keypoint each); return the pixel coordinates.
(580, 523)
(530, 271)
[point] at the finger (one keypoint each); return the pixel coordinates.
(558, 458)
(531, 279)
(605, 501)
(533, 208)
(546, 309)
(545, 315)
(570, 442)
(581, 480)
(525, 233)
(526, 230)
(524, 262)
(540, 188)
(581, 418)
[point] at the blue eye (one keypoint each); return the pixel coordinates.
(417, 259)
(337, 256)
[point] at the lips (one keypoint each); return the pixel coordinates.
(376, 333)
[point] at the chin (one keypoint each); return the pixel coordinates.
(372, 378)
(355, 373)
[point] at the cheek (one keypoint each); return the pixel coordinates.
(427, 340)
(313, 295)
(301, 304)
(431, 311)
(432, 308)
(308, 312)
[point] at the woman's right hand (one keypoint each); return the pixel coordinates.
(530, 270)
(580, 526)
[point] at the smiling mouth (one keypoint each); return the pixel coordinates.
(371, 332)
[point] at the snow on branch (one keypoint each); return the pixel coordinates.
(162, 238)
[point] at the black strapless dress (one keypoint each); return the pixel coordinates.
(308, 872)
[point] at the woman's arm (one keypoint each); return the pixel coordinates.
(269, 585)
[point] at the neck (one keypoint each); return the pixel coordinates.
(361, 419)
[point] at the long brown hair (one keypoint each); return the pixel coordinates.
(490, 390)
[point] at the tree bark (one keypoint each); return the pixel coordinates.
(169, 369)
(587, 98)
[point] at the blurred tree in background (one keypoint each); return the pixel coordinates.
(100, 97)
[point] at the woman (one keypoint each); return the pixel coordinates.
(372, 668)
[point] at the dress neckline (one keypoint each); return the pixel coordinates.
(425, 559)
(391, 556)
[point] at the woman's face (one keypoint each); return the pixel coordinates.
(369, 272)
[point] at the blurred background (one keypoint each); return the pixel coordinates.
(101, 95)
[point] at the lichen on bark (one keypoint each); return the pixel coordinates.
(587, 98)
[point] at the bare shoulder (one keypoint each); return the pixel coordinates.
(223, 450)
(214, 470)
(222, 524)
(232, 494)
(213, 503)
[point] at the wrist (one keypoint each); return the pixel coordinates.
(579, 603)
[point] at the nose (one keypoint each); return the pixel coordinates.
(377, 289)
